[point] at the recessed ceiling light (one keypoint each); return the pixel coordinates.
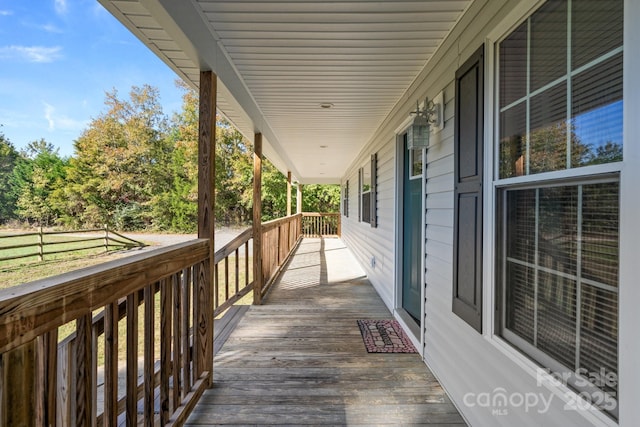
(324, 146)
(326, 105)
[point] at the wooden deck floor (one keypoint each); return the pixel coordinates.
(299, 358)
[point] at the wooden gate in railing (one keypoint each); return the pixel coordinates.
(316, 224)
(145, 313)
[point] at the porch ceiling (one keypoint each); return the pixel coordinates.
(278, 61)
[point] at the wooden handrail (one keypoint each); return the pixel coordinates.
(230, 247)
(328, 214)
(270, 225)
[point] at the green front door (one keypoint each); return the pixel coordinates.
(412, 231)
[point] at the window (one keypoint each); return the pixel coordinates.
(560, 108)
(561, 89)
(367, 192)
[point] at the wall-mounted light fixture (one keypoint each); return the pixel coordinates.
(425, 120)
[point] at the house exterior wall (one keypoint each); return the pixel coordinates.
(469, 365)
(373, 247)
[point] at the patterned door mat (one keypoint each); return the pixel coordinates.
(384, 336)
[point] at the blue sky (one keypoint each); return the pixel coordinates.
(57, 60)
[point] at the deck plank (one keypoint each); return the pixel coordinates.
(299, 359)
(223, 327)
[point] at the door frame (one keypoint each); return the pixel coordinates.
(414, 331)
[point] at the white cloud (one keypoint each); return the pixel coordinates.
(48, 114)
(50, 28)
(40, 54)
(61, 6)
(6, 12)
(58, 121)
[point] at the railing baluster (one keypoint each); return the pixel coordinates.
(47, 379)
(237, 265)
(165, 349)
(132, 359)
(17, 369)
(111, 364)
(94, 371)
(84, 371)
(216, 287)
(278, 244)
(246, 263)
(195, 344)
(65, 376)
(149, 377)
(176, 369)
(226, 278)
(186, 287)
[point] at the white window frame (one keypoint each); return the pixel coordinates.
(629, 211)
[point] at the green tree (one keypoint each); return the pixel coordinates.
(38, 173)
(321, 198)
(173, 206)
(176, 208)
(122, 161)
(8, 159)
(234, 175)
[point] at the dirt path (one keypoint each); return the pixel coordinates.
(222, 237)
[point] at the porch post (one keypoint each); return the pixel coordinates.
(206, 223)
(299, 199)
(288, 193)
(257, 220)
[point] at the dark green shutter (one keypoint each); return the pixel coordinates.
(373, 201)
(346, 200)
(360, 194)
(468, 155)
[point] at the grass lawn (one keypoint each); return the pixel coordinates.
(23, 270)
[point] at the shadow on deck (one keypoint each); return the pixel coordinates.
(299, 359)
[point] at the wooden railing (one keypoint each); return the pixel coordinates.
(233, 283)
(45, 382)
(150, 311)
(320, 224)
(279, 238)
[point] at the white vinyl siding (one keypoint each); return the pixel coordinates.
(369, 243)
